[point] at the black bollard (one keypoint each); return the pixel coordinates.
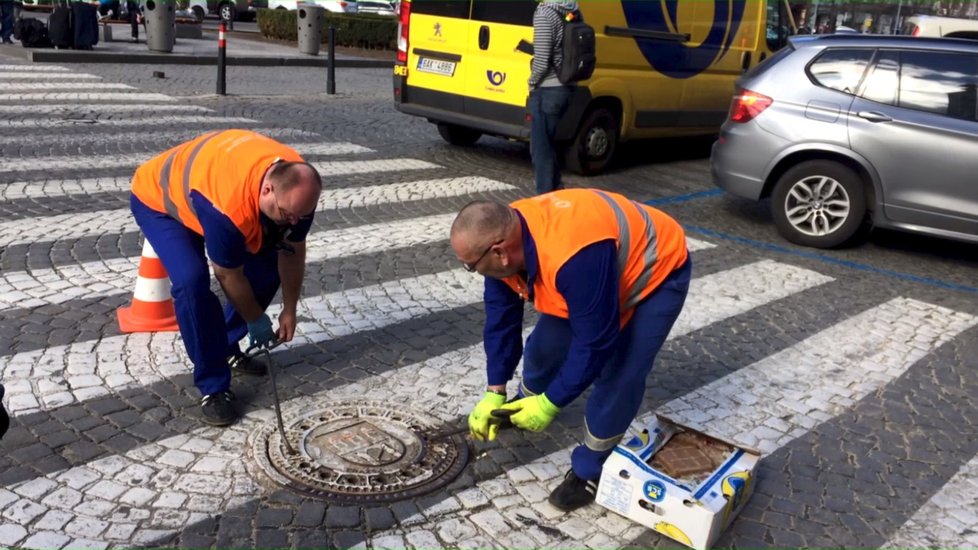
(331, 62)
(221, 58)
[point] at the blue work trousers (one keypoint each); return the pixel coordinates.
(547, 106)
(6, 20)
(618, 391)
(198, 309)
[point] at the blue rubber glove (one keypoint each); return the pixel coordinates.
(534, 413)
(481, 425)
(260, 333)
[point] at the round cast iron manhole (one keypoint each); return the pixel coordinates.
(360, 452)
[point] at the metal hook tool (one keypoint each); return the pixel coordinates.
(254, 351)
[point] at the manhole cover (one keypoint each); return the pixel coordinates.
(360, 452)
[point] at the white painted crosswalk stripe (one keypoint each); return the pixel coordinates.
(54, 109)
(162, 139)
(29, 74)
(10, 88)
(57, 124)
(32, 68)
(76, 162)
(113, 97)
(341, 168)
(376, 306)
(948, 519)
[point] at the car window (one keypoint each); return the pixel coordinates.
(445, 8)
(938, 82)
(511, 12)
(841, 68)
(881, 82)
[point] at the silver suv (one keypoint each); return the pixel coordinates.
(845, 132)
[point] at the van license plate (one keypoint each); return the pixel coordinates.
(436, 66)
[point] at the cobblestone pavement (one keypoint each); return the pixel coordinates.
(853, 371)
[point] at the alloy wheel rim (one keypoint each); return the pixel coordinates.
(817, 206)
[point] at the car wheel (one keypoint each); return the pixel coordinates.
(198, 13)
(227, 12)
(594, 144)
(458, 135)
(819, 203)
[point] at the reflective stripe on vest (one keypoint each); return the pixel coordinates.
(166, 184)
(624, 246)
(598, 444)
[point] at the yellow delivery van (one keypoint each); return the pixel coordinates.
(664, 68)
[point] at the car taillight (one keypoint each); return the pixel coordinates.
(746, 105)
(403, 29)
(916, 31)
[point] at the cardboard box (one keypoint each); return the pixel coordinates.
(691, 508)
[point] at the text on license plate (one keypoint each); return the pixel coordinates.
(437, 66)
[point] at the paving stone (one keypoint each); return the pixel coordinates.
(378, 518)
(44, 540)
(273, 517)
(342, 516)
(310, 514)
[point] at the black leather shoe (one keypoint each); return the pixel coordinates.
(242, 364)
(573, 493)
(218, 408)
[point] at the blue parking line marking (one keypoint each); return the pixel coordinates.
(829, 259)
(687, 197)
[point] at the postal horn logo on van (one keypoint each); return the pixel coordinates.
(676, 59)
(496, 78)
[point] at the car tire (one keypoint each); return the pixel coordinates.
(458, 135)
(228, 12)
(819, 203)
(594, 144)
(198, 13)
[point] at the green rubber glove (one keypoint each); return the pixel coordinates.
(481, 426)
(535, 412)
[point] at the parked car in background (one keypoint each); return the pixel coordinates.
(334, 6)
(947, 27)
(377, 7)
(844, 132)
(230, 10)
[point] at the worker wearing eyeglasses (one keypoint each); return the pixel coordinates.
(609, 277)
(248, 202)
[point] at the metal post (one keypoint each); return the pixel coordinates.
(896, 20)
(331, 62)
(814, 24)
(221, 58)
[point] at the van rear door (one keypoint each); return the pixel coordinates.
(724, 41)
(437, 56)
(496, 78)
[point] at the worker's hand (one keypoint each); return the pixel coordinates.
(260, 333)
(482, 427)
(286, 326)
(534, 413)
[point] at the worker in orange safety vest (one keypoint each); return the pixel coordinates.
(609, 277)
(248, 201)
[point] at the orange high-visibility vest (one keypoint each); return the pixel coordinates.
(226, 167)
(650, 244)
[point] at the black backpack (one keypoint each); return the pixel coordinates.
(32, 33)
(578, 49)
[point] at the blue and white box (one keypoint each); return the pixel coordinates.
(694, 515)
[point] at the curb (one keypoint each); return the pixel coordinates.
(74, 56)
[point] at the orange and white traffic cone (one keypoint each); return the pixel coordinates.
(152, 306)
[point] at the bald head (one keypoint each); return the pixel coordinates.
(481, 222)
(290, 191)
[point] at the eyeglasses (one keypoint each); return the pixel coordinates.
(471, 267)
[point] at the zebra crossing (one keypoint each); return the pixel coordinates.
(155, 483)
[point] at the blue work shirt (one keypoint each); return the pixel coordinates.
(588, 281)
(224, 241)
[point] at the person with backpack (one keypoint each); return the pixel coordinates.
(549, 96)
(6, 20)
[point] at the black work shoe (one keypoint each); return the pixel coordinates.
(242, 364)
(573, 492)
(218, 408)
